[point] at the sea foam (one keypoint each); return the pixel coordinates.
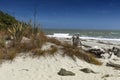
(67, 35)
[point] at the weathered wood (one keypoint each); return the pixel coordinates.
(113, 65)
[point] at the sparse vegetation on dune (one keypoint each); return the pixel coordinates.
(79, 53)
(36, 38)
(52, 50)
(53, 40)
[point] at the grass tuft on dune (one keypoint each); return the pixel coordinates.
(79, 53)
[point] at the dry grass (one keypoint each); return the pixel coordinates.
(2, 33)
(38, 52)
(8, 54)
(53, 40)
(24, 47)
(53, 50)
(11, 54)
(2, 43)
(81, 54)
(1, 54)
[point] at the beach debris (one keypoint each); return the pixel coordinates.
(97, 52)
(111, 64)
(106, 75)
(87, 70)
(106, 55)
(111, 53)
(64, 72)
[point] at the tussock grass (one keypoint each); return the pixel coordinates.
(17, 32)
(81, 54)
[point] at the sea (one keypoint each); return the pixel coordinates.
(89, 34)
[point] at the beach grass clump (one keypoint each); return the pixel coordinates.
(8, 54)
(1, 55)
(11, 54)
(17, 32)
(79, 53)
(2, 33)
(38, 52)
(37, 37)
(20, 30)
(88, 57)
(24, 47)
(68, 50)
(53, 40)
(2, 43)
(52, 50)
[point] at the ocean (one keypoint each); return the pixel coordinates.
(110, 34)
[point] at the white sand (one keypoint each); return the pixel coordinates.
(46, 68)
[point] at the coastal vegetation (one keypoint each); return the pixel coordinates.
(17, 37)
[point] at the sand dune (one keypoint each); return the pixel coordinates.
(46, 68)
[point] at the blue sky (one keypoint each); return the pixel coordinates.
(68, 14)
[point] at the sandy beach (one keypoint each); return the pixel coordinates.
(47, 68)
(60, 40)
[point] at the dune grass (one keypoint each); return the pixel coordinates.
(8, 54)
(38, 52)
(52, 50)
(53, 40)
(79, 53)
(11, 54)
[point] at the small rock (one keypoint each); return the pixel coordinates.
(87, 70)
(64, 72)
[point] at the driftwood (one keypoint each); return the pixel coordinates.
(113, 65)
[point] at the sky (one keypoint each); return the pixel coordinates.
(66, 14)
